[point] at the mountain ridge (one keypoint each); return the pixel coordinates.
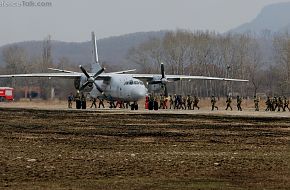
(273, 17)
(111, 50)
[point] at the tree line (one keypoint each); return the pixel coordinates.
(207, 53)
(18, 61)
(203, 53)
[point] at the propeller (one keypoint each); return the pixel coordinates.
(163, 81)
(91, 80)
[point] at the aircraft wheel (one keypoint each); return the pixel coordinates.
(136, 106)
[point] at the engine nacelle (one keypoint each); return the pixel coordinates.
(78, 82)
(157, 84)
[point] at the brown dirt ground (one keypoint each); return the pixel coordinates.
(58, 148)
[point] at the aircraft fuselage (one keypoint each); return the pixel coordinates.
(121, 87)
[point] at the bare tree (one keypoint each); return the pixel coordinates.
(282, 57)
(46, 84)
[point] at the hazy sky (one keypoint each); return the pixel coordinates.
(73, 20)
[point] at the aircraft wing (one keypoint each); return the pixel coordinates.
(60, 75)
(68, 75)
(149, 77)
(123, 72)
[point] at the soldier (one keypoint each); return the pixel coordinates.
(189, 102)
(228, 102)
(213, 102)
(155, 103)
(274, 103)
(165, 102)
(177, 101)
(70, 99)
(127, 104)
(280, 103)
(195, 102)
(111, 102)
(171, 102)
(78, 100)
(94, 100)
(256, 101)
(286, 103)
(268, 104)
(83, 101)
(101, 102)
(161, 101)
(183, 102)
(239, 102)
(151, 102)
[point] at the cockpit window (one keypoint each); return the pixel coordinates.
(136, 82)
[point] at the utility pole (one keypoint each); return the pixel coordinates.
(227, 76)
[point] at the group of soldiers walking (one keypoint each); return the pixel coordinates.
(174, 102)
(181, 102)
(81, 100)
(229, 102)
(279, 104)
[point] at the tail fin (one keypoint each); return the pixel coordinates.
(95, 66)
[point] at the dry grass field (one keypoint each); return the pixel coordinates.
(46, 146)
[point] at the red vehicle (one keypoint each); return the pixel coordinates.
(6, 94)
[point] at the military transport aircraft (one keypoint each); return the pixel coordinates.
(116, 85)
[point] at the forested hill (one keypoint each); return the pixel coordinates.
(112, 50)
(273, 17)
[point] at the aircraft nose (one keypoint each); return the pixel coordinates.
(139, 93)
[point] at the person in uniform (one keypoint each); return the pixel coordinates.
(78, 100)
(94, 100)
(213, 102)
(127, 104)
(183, 102)
(155, 104)
(280, 103)
(239, 103)
(101, 102)
(274, 103)
(171, 102)
(165, 102)
(229, 102)
(70, 99)
(111, 102)
(161, 101)
(83, 101)
(189, 102)
(195, 102)
(268, 104)
(151, 102)
(176, 101)
(256, 102)
(285, 104)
